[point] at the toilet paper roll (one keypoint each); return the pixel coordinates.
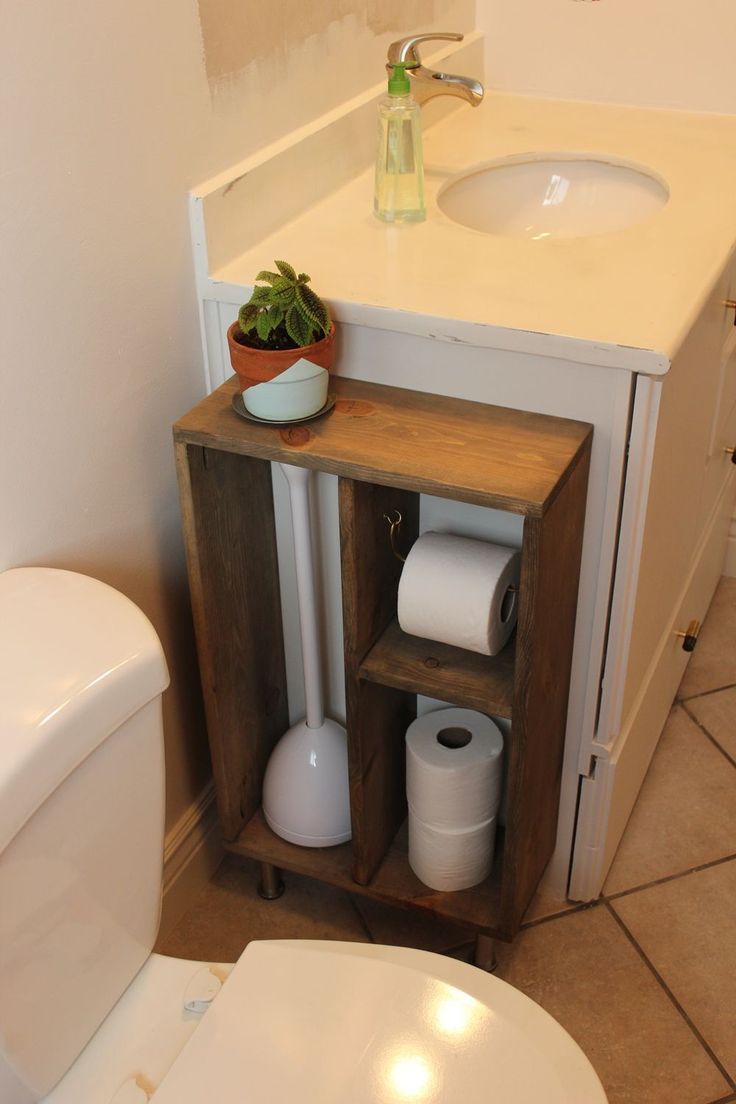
(456, 590)
(448, 860)
(454, 768)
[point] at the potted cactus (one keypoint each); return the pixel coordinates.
(282, 346)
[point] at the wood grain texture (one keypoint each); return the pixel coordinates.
(230, 540)
(387, 446)
(370, 570)
(393, 882)
(377, 715)
(551, 552)
(473, 681)
(492, 456)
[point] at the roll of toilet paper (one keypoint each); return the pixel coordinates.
(456, 590)
(450, 860)
(454, 768)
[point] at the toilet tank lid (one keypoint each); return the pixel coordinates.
(77, 659)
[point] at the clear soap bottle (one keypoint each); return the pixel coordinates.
(399, 193)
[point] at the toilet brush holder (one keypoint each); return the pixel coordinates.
(306, 797)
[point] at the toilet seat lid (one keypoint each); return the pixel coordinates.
(324, 1023)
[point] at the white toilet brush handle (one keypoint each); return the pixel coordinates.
(299, 480)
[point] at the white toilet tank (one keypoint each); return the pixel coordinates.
(81, 815)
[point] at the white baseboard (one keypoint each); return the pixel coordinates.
(192, 853)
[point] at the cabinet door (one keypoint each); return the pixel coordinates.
(608, 796)
(688, 470)
(677, 503)
(723, 431)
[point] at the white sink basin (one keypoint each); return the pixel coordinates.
(554, 196)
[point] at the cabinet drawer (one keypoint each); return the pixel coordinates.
(703, 579)
(719, 467)
(642, 725)
(726, 391)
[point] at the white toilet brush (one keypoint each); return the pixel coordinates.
(306, 798)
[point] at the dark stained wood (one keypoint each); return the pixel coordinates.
(484, 956)
(473, 681)
(387, 445)
(492, 456)
(478, 906)
(230, 540)
(370, 570)
(547, 606)
(377, 716)
(377, 720)
(394, 882)
(328, 864)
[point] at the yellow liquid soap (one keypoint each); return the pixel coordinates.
(399, 187)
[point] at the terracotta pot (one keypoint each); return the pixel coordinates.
(261, 365)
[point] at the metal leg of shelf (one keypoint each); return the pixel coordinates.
(485, 953)
(270, 885)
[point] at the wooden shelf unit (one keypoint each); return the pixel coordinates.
(387, 446)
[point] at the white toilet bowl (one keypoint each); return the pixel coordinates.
(91, 1016)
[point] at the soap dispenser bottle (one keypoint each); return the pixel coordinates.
(399, 193)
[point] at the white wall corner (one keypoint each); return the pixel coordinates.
(192, 853)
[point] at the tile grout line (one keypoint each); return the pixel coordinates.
(580, 906)
(666, 878)
(724, 1099)
(705, 693)
(666, 989)
(709, 735)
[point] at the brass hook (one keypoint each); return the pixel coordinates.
(394, 528)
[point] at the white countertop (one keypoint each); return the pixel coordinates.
(629, 296)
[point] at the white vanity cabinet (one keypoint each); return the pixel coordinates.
(659, 506)
(628, 331)
(677, 511)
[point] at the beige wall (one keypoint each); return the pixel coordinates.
(669, 53)
(274, 67)
(109, 118)
(236, 34)
(108, 108)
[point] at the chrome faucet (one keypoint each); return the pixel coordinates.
(426, 83)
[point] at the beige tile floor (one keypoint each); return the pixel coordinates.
(645, 978)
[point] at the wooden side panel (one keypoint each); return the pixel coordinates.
(547, 604)
(370, 570)
(377, 716)
(377, 720)
(230, 539)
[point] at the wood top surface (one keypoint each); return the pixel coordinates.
(488, 455)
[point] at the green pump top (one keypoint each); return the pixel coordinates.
(398, 82)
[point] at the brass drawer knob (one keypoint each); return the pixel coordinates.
(690, 636)
(730, 303)
(732, 453)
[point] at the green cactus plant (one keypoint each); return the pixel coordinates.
(283, 312)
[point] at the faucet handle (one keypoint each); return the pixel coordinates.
(404, 50)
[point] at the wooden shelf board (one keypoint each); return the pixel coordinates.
(394, 883)
(488, 455)
(451, 674)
